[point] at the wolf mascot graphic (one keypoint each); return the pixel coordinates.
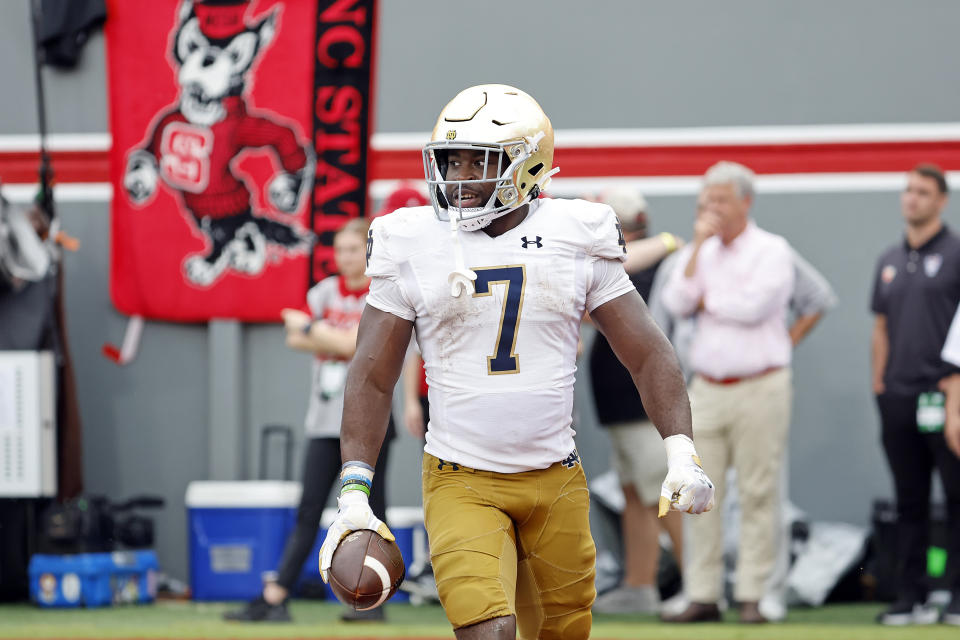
(191, 146)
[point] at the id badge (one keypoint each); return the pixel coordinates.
(931, 413)
(333, 378)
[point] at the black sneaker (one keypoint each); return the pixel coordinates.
(903, 613)
(259, 610)
(951, 615)
(369, 615)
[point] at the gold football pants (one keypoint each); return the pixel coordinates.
(512, 544)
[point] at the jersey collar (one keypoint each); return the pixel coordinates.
(929, 243)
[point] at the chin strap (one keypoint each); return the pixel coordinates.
(544, 182)
(460, 279)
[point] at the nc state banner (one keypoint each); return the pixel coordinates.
(240, 141)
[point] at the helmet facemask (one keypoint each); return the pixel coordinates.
(501, 163)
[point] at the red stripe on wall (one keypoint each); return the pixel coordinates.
(588, 162)
(68, 166)
(593, 162)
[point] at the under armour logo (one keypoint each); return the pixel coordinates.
(571, 460)
(453, 465)
(526, 242)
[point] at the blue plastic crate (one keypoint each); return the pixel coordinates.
(93, 579)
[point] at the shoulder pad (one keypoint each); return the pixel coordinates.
(394, 237)
(591, 224)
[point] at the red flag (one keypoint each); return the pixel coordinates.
(214, 158)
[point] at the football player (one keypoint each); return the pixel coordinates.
(495, 280)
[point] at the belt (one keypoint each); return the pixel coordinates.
(740, 378)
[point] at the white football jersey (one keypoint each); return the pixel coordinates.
(500, 363)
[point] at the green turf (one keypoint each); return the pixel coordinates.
(319, 620)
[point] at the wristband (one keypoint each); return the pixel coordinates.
(352, 485)
(356, 476)
(670, 242)
(360, 464)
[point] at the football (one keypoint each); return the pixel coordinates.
(366, 570)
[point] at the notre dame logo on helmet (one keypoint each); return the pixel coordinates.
(452, 134)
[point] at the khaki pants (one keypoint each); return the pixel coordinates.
(744, 425)
(512, 544)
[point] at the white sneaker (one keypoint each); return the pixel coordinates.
(902, 614)
(674, 606)
(773, 609)
(624, 599)
(951, 613)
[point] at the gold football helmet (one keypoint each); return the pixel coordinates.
(515, 136)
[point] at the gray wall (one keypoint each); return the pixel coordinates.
(639, 63)
(602, 64)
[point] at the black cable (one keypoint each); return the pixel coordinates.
(45, 197)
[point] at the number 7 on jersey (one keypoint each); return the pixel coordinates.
(514, 278)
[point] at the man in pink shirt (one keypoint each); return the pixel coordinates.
(738, 279)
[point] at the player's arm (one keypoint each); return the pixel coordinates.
(646, 353)
(382, 341)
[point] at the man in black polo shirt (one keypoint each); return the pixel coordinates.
(916, 291)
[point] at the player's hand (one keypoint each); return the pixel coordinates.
(354, 514)
(686, 487)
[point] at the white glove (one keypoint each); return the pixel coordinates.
(354, 514)
(686, 487)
